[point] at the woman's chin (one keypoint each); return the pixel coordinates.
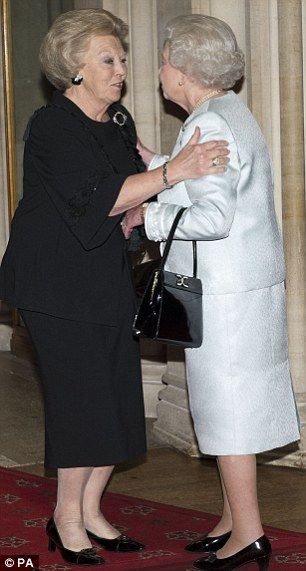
(117, 96)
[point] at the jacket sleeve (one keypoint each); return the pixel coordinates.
(82, 188)
(157, 161)
(213, 197)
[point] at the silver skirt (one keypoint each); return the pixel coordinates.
(239, 382)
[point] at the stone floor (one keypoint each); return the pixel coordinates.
(164, 475)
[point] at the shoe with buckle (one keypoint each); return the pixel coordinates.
(120, 543)
(87, 556)
(258, 552)
(208, 543)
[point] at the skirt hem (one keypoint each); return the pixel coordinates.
(255, 450)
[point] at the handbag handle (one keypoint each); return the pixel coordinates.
(170, 240)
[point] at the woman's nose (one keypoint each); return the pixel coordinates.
(121, 69)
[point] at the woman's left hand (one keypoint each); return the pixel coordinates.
(132, 218)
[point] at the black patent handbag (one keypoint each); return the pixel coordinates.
(171, 308)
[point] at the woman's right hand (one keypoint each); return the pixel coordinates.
(196, 159)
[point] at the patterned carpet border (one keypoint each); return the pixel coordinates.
(27, 502)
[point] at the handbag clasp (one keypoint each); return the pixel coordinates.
(182, 280)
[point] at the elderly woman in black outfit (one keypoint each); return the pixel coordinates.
(66, 269)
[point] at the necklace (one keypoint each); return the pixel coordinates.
(206, 97)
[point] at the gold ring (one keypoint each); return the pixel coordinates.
(216, 161)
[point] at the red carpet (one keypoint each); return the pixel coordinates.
(27, 502)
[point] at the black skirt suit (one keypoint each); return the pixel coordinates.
(67, 270)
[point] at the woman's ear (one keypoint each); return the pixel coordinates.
(182, 79)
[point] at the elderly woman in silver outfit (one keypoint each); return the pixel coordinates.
(240, 391)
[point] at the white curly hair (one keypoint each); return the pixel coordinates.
(206, 49)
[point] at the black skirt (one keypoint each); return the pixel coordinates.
(91, 376)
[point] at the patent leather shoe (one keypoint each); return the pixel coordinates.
(208, 543)
(258, 552)
(120, 543)
(86, 556)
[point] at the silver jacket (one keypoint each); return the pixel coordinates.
(232, 215)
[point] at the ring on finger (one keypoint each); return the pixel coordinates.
(216, 161)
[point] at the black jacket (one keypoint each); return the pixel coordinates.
(66, 256)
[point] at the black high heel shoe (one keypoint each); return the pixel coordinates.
(86, 556)
(259, 551)
(120, 543)
(208, 543)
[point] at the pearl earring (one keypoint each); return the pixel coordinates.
(180, 83)
(77, 80)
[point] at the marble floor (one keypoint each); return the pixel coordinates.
(163, 475)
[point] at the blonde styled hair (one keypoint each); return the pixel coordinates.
(66, 42)
(205, 48)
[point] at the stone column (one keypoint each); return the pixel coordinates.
(174, 424)
(200, 7)
(4, 216)
(263, 81)
(6, 169)
(304, 68)
(143, 79)
(81, 4)
(293, 185)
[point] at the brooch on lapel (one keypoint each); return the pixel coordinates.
(119, 118)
